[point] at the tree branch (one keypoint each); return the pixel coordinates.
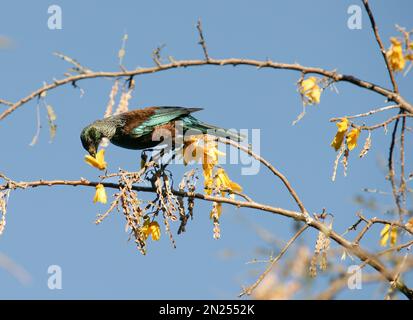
(365, 114)
(380, 43)
(202, 40)
(272, 169)
(337, 77)
(6, 103)
(356, 250)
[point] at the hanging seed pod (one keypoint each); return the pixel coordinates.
(366, 147)
(112, 96)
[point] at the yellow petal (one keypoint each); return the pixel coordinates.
(216, 210)
(384, 235)
(342, 126)
(393, 236)
(395, 55)
(352, 138)
(193, 152)
(211, 153)
(224, 181)
(155, 230)
(314, 95)
(208, 177)
(98, 162)
(100, 194)
(235, 187)
(395, 42)
(151, 229)
(311, 90)
(308, 84)
(223, 177)
(100, 156)
(145, 229)
(338, 140)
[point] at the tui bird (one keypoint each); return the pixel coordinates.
(135, 129)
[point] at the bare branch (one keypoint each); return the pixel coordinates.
(380, 43)
(202, 40)
(156, 55)
(358, 251)
(385, 123)
(77, 66)
(6, 103)
(365, 114)
(272, 169)
(337, 77)
(402, 186)
(391, 175)
(375, 220)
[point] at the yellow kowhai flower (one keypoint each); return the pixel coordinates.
(152, 229)
(384, 235)
(342, 127)
(224, 182)
(395, 55)
(216, 210)
(207, 153)
(211, 155)
(220, 181)
(98, 162)
(208, 171)
(310, 89)
(100, 194)
(191, 150)
(209, 162)
(352, 138)
(387, 233)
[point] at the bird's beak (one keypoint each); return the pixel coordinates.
(92, 152)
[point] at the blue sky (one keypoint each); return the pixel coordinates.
(48, 226)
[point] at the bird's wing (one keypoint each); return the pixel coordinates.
(161, 115)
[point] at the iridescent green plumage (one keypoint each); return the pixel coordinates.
(144, 128)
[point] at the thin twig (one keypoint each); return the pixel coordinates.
(395, 248)
(365, 114)
(6, 103)
(385, 123)
(202, 40)
(402, 187)
(391, 168)
(272, 262)
(277, 173)
(78, 67)
(375, 220)
(380, 43)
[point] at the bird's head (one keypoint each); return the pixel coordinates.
(91, 138)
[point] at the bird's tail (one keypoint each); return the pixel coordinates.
(194, 124)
